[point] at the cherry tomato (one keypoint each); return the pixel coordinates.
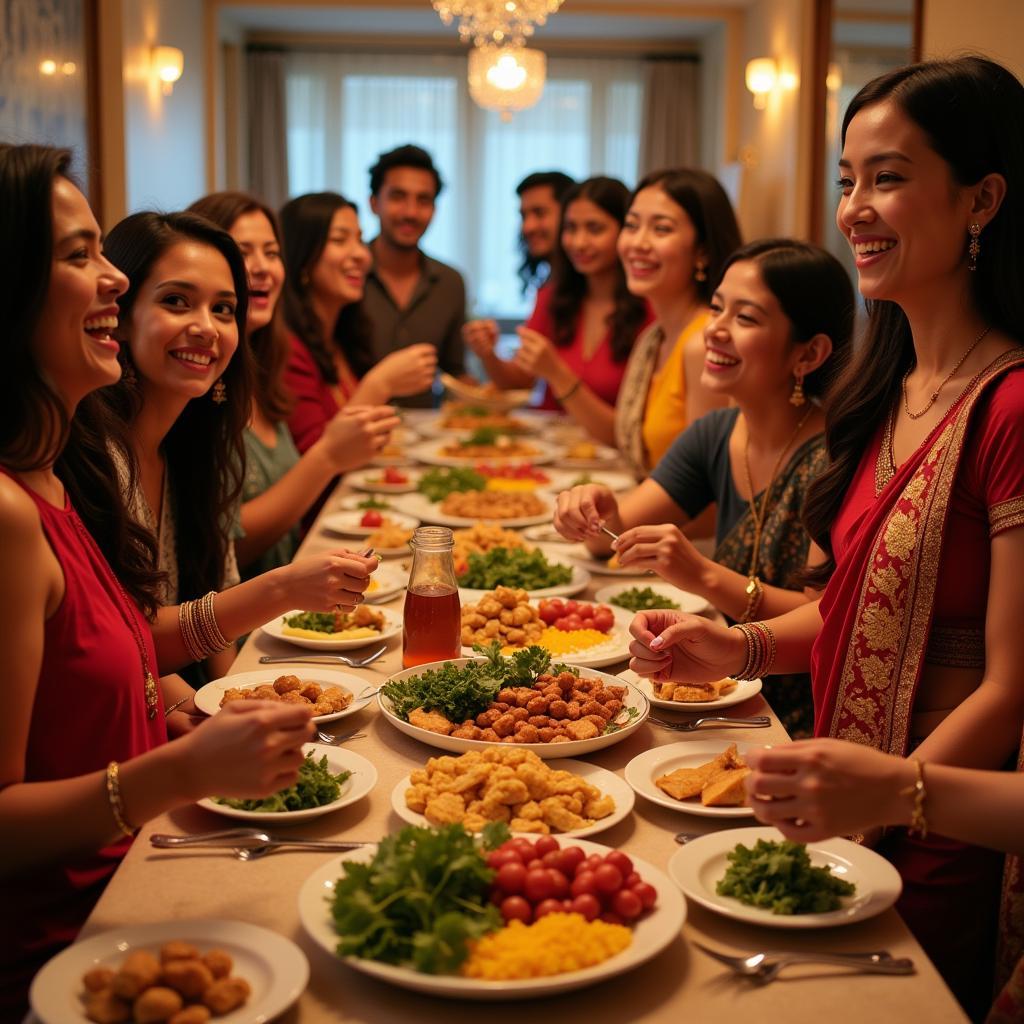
(371, 517)
(552, 859)
(572, 621)
(515, 908)
(583, 884)
(538, 885)
(510, 877)
(523, 845)
(586, 904)
(548, 614)
(621, 861)
(647, 893)
(587, 623)
(604, 619)
(559, 884)
(534, 863)
(571, 858)
(594, 861)
(546, 907)
(609, 918)
(546, 844)
(394, 476)
(571, 607)
(633, 878)
(585, 609)
(496, 858)
(627, 904)
(607, 878)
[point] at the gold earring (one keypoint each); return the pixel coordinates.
(797, 398)
(974, 249)
(220, 392)
(700, 273)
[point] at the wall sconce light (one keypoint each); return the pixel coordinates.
(167, 62)
(48, 67)
(761, 77)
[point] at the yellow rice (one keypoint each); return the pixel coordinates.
(559, 641)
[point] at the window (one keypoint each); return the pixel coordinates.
(345, 109)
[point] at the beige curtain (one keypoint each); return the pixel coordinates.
(670, 130)
(268, 136)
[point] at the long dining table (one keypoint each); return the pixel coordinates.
(680, 984)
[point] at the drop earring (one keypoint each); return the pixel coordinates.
(219, 394)
(797, 398)
(974, 249)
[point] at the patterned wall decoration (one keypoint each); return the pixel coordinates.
(43, 75)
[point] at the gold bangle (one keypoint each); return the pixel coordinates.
(214, 639)
(114, 798)
(755, 595)
(918, 822)
(189, 632)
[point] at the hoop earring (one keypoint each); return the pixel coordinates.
(219, 394)
(700, 273)
(974, 249)
(797, 397)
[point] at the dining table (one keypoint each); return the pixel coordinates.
(681, 984)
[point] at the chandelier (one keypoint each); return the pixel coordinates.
(506, 78)
(496, 22)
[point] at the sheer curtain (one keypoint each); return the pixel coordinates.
(345, 109)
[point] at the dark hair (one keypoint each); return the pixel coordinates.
(35, 429)
(707, 205)
(204, 450)
(815, 293)
(305, 224)
(404, 156)
(966, 108)
(268, 345)
(530, 269)
(569, 287)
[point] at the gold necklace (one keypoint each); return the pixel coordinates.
(949, 376)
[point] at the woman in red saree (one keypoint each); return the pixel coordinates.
(916, 643)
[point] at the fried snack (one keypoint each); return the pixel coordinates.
(389, 535)
(194, 1014)
(226, 995)
(504, 784)
(157, 1005)
(719, 783)
(189, 977)
(493, 504)
(106, 1008)
(98, 978)
(140, 970)
(694, 692)
(504, 447)
(325, 700)
(432, 721)
(178, 950)
(504, 614)
(480, 538)
(726, 789)
(466, 416)
(581, 450)
(219, 963)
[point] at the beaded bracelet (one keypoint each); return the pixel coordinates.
(114, 797)
(760, 650)
(918, 822)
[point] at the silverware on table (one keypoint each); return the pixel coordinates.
(332, 740)
(323, 659)
(251, 839)
(756, 722)
(766, 966)
(682, 838)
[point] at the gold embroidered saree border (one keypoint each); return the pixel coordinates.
(1005, 515)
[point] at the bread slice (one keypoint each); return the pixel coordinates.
(726, 789)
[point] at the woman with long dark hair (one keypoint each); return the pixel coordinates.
(585, 322)
(84, 757)
(916, 644)
(330, 364)
(677, 235)
(781, 321)
(281, 486)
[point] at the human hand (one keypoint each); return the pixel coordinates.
(324, 582)
(480, 336)
(355, 434)
(407, 371)
(662, 549)
(250, 748)
(536, 355)
(684, 648)
(813, 789)
(582, 510)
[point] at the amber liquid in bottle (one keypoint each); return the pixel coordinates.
(432, 618)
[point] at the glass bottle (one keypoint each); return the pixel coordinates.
(432, 618)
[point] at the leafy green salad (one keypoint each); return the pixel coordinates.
(422, 897)
(642, 599)
(778, 876)
(513, 567)
(437, 484)
(316, 786)
(373, 501)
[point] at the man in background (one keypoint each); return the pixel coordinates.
(411, 298)
(540, 209)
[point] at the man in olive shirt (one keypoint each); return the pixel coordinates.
(411, 298)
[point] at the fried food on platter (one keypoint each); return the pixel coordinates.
(719, 783)
(694, 692)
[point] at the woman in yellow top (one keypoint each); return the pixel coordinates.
(678, 232)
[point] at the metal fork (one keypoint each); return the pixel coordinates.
(765, 967)
(332, 740)
(324, 659)
(757, 722)
(255, 841)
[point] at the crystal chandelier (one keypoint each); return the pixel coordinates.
(497, 23)
(506, 78)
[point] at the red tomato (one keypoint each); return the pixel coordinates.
(586, 904)
(647, 893)
(515, 908)
(594, 861)
(572, 621)
(604, 619)
(586, 622)
(571, 607)
(585, 609)
(633, 878)
(621, 861)
(552, 859)
(571, 858)
(394, 476)
(546, 907)
(538, 885)
(609, 918)
(583, 884)
(510, 877)
(371, 517)
(627, 904)
(607, 878)
(548, 614)
(562, 623)
(496, 858)
(559, 884)
(546, 844)
(523, 845)
(534, 863)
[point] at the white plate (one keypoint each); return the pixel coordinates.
(430, 452)
(608, 782)
(351, 502)
(362, 780)
(652, 764)
(580, 580)
(601, 459)
(207, 698)
(501, 400)
(392, 626)
(548, 751)
(275, 967)
(579, 554)
(430, 512)
(743, 690)
(389, 581)
(434, 427)
(651, 934)
(693, 604)
(614, 480)
(347, 522)
(613, 650)
(698, 866)
(545, 534)
(371, 480)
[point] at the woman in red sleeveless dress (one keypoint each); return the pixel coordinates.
(84, 757)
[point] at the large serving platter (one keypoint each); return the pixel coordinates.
(500, 401)
(698, 866)
(435, 426)
(641, 772)
(419, 506)
(608, 782)
(276, 969)
(651, 934)
(362, 780)
(430, 452)
(579, 581)
(635, 699)
(276, 629)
